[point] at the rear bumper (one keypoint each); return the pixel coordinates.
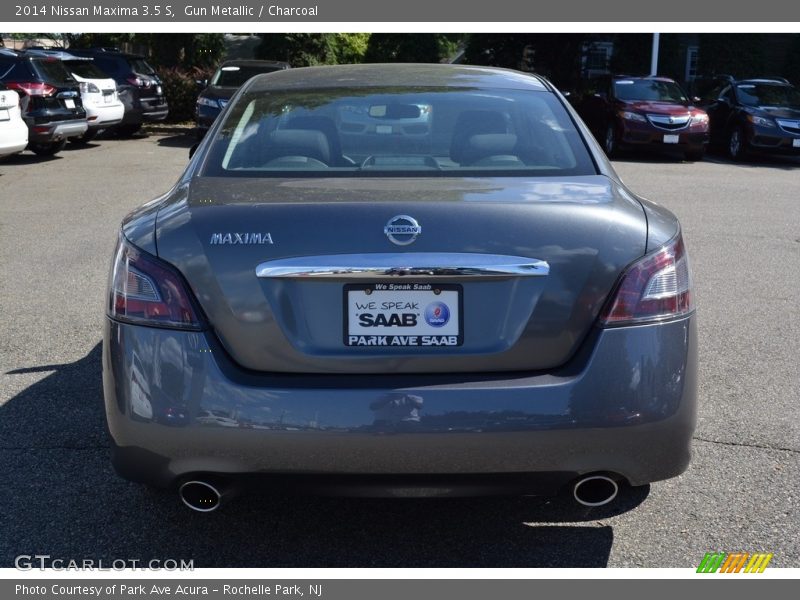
(13, 137)
(56, 131)
(101, 116)
(626, 404)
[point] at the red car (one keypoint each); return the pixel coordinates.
(645, 112)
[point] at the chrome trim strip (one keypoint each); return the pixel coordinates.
(789, 126)
(410, 264)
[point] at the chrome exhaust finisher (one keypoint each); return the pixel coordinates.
(203, 496)
(595, 490)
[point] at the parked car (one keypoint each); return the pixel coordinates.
(50, 99)
(138, 86)
(645, 113)
(98, 93)
(13, 131)
(494, 313)
(755, 115)
(229, 77)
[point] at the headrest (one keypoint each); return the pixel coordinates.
(299, 142)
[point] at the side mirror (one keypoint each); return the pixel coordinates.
(201, 83)
(193, 149)
(566, 94)
(696, 99)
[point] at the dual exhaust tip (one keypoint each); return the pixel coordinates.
(205, 496)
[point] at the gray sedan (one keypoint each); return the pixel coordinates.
(457, 297)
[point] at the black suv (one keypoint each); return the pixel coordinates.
(229, 77)
(50, 99)
(750, 115)
(138, 86)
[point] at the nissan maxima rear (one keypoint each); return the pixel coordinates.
(480, 307)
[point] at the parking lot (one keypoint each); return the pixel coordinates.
(58, 224)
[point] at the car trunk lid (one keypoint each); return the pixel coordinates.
(568, 239)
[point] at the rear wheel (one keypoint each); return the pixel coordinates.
(610, 143)
(48, 148)
(737, 144)
(85, 138)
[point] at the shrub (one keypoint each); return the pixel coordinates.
(180, 88)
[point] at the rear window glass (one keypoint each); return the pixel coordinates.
(235, 76)
(86, 69)
(53, 71)
(139, 65)
(393, 132)
(649, 90)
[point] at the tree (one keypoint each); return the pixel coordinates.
(411, 47)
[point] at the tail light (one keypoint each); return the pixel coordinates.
(88, 88)
(147, 291)
(654, 288)
(32, 88)
(136, 81)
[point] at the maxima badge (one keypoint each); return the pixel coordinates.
(402, 230)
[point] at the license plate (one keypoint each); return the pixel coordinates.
(4, 114)
(158, 90)
(107, 98)
(385, 129)
(69, 103)
(420, 315)
(796, 143)
(671, 139)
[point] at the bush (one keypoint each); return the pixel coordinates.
(181, 90)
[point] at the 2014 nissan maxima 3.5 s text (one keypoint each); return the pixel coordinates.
(455, 296)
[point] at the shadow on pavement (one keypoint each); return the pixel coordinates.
(63, 499)
(183, 140)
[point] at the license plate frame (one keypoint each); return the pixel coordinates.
(395, 329)
(671, 138)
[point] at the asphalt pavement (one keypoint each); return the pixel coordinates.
(58, 226)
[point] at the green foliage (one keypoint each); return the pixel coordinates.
(557, 56)
(351, 47)
(740, 55)
(180, 88)
(299, 49)
(411, 47)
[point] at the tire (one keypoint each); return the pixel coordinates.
(127, 131)
(610, 142)
(737, 144)
(694, 155)
(85, 138)
(48, 148)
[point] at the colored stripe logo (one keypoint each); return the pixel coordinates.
(735, 562)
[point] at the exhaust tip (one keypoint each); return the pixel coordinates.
(596, 490)
(200, 496)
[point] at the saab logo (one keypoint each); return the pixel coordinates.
(240, 238)
(735, 562)
(437, 314)
(392, 320)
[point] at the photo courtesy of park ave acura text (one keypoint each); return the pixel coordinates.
(433, 300)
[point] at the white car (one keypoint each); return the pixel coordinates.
(98, 93)
(13, 131)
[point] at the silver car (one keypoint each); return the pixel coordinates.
(480, 308)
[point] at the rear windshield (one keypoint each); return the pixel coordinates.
(86, 69)
(395, 132)
(139, 65)
(768, 95)
(649, 90)
(235, 76)
(52, 71)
